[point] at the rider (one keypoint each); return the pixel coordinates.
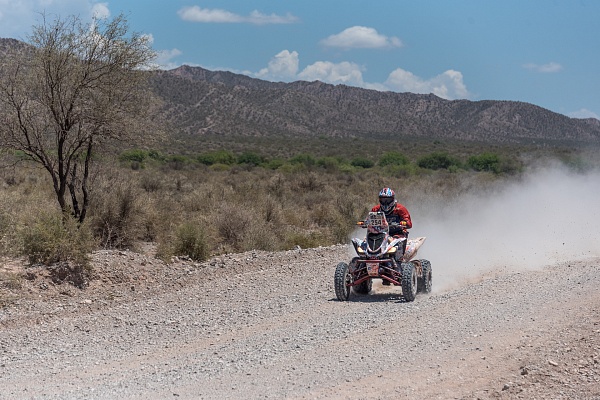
(397, 216)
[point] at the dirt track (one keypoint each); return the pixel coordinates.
(267, 325)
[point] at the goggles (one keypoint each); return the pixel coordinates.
(386, 201)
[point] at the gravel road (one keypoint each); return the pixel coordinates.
(264, 325)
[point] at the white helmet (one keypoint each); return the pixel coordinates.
(387, 199)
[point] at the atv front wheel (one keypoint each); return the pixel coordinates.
(424, 283)
(409, 281)
(341, 280)
(364, 287)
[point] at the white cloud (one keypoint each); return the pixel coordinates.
(448, 85)
(164, 58)
(335, 73)
(18, 17)
(583, 113)
(206, 15)
(262, 19)
(544, 68)
(284, 66)
(361, 37)
(100, 10)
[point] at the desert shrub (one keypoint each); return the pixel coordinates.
(191, 241)
(308, 182)
(232, 224)
(271, 209)
(133, 155)
(220, 167)
(304, 159)
(52, 238)
(362, 162)
(115, 216)
(305, 240)
(276, 185)
(6, 233)
(400, 171)
(330, 164)
(340, 231)
(351, 207)
(489, 162)
(156, 155)
(437, 160)
(511, 166)
(261, 236)
(217, 157)
(347, 169)
(273, 164)
(150, 182)
(393, 158)
(177, 162)
(323, 212)
(250, 159)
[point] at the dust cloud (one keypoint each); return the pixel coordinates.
(548, 216)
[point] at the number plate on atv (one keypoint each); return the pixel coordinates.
(373, 269)
(376, 219)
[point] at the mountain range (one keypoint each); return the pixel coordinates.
(196, 101)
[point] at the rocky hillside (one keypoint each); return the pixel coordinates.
(197, 101)
(10, 47)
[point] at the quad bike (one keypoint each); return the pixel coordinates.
(386, 257)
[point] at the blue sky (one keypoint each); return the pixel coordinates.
(541, 52)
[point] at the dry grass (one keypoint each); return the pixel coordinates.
(195, 210)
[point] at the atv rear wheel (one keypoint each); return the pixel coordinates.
(341, 279)
(424, 283)
(409, 281)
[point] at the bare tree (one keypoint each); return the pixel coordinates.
(79, 87)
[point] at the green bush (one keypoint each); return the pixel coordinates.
(393, 158)
(217, 157)
(274, 164)
(305, 159)
(437, 161)
(250, 159)
(330, 164)
(133, 155)
(489, 162)
(362, 162)
(156, 155)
